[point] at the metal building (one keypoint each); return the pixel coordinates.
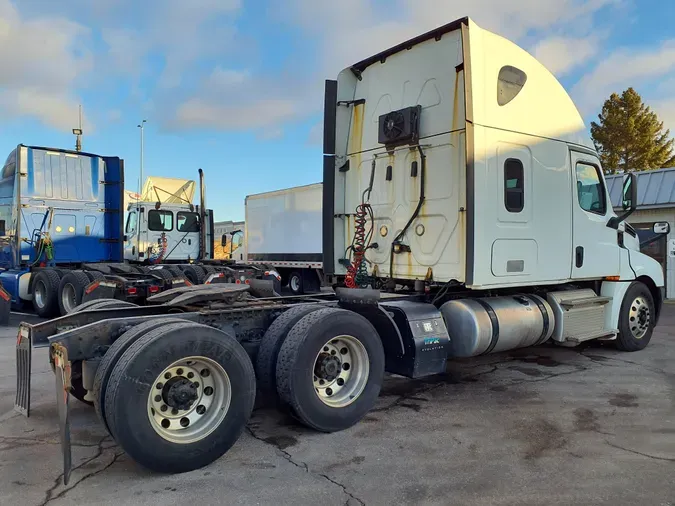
(656, 203)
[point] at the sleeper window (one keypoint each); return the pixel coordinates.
(509, 83)
(514, 194)
(590, 190)
(160, 221)
(187, 222)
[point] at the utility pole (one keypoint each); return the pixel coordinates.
(78, 133)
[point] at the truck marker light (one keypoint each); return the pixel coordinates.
(4, 295)
(92, 287)
(612, 278)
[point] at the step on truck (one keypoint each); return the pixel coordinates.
(61, 221)
(282, 229)
(465, 212)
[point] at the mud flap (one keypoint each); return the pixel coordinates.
(99, 290)
(62, 372)
(5, 306)
(24, 350)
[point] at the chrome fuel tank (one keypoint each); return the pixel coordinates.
(493, 324)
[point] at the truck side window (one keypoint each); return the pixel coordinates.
(590, 190)
(160, 221)
(514, 194)
(132, 219)
(187, 222)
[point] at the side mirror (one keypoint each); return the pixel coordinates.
(661, 228)
(628, 200)
(629, 192)
(223, 240)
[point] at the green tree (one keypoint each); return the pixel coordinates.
(629, 135)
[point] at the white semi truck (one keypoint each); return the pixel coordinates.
(464, 213)
(283, 229)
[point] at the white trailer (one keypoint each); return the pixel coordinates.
(283, 229)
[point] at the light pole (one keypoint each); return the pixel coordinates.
(140, 191)
(140, 176)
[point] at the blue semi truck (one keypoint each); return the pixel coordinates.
(61, 229)
(62, 236)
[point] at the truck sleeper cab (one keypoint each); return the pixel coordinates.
(60, 228)
(464, 213)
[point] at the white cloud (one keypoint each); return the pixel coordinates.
(622, 68)
(665, 110)
(199, 113)
(41, 61)
(562, 54)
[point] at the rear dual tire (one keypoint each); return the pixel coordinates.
(330, 369)
(154, 410)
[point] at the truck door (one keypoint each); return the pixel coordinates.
(595, 249)
(159, 227)
(131, 231)
(187, 235)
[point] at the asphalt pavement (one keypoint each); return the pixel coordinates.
(539, 426)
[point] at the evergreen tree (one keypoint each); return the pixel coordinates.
(629, 135)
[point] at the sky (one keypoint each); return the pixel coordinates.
(235, 87)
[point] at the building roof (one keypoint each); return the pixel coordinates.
(656, 188)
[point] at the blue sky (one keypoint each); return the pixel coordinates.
(235, 86)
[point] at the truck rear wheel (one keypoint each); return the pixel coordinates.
(180, 397)
(113, 354)
(194, 274)
(163, 273)
(330, 369)
(636, 319)
(175, 271)
(266, 362)
(71, 289)
(46, 293)
(295, 283)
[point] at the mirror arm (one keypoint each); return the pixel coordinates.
(615, 220)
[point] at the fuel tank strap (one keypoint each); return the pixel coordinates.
(495, 325)
(544, 318)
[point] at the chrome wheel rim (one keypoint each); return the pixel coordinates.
(295, 284)
(189, 400)
(69, 298)
(40, 294)
(639, 317)
(341, 371)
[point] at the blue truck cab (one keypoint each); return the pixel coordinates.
(59, 210)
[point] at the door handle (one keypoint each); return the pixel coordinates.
(580, 256)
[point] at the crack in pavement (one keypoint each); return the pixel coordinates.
(303, 465)
(49, 494)
(636, 452)
(600, 359)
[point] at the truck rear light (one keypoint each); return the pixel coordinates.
(132, 290)
(92, 287)
(248, 282)
(153, 289)
(238, 281)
